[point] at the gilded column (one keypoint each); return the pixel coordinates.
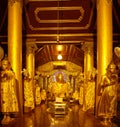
(44, 82)
(72, 83)
(30, 59)
(70, 77)
(41, 81)
(88, 57)
(88, 68)
(104, 39)
(47, 81)
(15, 42)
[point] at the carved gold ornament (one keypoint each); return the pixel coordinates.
(12, 2)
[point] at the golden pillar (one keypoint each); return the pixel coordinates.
(30, 66)
(88, 67)
(15, 42)
(30, 59)
(46, 81)
(88, 58)
(104, 39)
(72, 83)
(43, 82)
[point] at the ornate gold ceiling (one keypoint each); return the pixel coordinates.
(64, 20)
(48, 23)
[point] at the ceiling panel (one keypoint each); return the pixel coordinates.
(48, 23)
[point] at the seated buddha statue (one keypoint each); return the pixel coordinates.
(60, 87)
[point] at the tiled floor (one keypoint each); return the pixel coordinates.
(42, 118)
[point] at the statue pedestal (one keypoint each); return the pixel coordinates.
(60, 108)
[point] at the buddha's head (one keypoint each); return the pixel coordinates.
(60, 78)
(5, 64)
(111, 67)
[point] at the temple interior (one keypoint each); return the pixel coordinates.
(59, 63)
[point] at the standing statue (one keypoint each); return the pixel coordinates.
(28, 92)
(89, 91)
(37, 90)
(107, 105)
(9, 100)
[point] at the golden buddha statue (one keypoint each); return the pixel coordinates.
(9, 101)
(107, 105)
(28, 92)
(60, 87)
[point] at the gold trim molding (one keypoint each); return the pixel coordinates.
(37, 10)
(63, 28)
